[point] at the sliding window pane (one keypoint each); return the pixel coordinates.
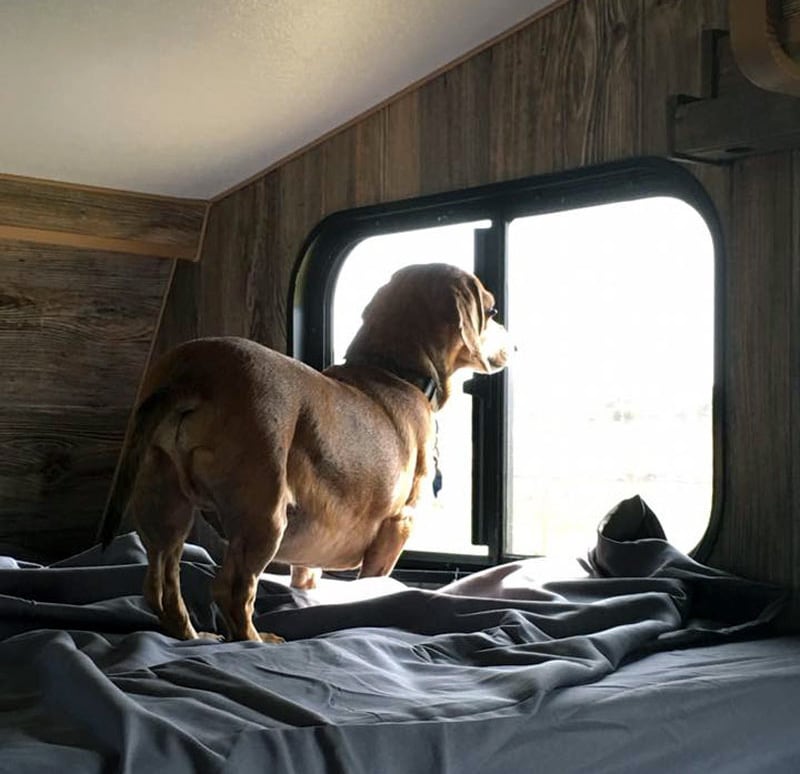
(612, 309)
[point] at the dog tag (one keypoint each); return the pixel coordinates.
(437, 473)
(437, 481)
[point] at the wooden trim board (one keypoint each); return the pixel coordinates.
(46, 213)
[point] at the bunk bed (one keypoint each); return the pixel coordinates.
(643, 661)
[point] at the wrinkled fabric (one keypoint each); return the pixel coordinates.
(461, 679)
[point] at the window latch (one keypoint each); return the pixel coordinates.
(478, 387)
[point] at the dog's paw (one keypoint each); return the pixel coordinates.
(211, 636)
(274, 639)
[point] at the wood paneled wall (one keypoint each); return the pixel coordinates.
(96, 219)
(82, 283)
(760, 529)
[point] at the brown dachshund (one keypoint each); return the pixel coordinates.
(317, 470)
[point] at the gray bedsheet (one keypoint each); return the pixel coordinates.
(470, 678)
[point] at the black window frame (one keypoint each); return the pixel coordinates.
(325, 250)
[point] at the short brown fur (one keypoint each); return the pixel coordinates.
(318, 470)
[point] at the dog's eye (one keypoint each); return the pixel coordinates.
(491, 312)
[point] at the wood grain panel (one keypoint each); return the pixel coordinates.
(560, 92)
(53, 213)
(265, 283)
(301, 197)
(601, 91)
(759, 522)
(370, 150)
(352, 166)
(673, 60)
(565, 90)
(223, 278)
(401, 164)
(55, 468)
(717, 181)
(454, 114)
(238, 288)
(179, 321)
(526, 118)
(72, 331)
(75, 331)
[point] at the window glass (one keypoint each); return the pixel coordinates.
(443, 524)
(612, 310)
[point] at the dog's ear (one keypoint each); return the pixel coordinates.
(472, 320)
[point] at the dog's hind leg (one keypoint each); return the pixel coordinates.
(254, 521)
(163, 518)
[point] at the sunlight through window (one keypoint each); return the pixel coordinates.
(612, 308)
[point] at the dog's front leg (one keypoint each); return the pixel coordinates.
(382, 554)
(305, 578)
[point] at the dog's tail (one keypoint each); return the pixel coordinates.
(148, 416)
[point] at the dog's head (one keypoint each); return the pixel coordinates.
(484, 341)
(433, 319)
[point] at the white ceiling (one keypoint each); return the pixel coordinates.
(190, 97)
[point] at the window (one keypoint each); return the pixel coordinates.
(605, 279)
(611, 393)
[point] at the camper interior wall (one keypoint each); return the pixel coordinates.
(585, 82)
(83, 273)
